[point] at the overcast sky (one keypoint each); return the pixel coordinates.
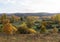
(29, 6)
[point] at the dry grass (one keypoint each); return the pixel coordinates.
(30, 38)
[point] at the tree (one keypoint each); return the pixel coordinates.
(56, 17)
(43, 29)
(30, 20)
(53, 18)
(8, 28)
(23, 29)
(15, 18)
(44, 23)
(55, 30)
(3, 17)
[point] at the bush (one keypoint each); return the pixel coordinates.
(55, 30)
(8, 28)
(31, 31)
(43, 29)
(23, 29)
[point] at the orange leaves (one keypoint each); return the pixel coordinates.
(8, 28)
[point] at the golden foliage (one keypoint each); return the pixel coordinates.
(55, 30)
(24, 25)
(5, 21)
(3, 17)
(8, 28)
(26, 30)
(32, 31)
(56, 17)
(43, 29)
(30, 20)
(44, 23)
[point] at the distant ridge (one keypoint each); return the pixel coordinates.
(34, 14)
(31, 14)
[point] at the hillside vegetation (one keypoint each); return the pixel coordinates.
(41, 28)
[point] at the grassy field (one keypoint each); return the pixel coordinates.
(30, 38)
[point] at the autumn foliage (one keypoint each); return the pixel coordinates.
(29, 24)
(23, 29)
(8, 28)
(55, 30)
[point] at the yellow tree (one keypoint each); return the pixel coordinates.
(3, 17)
(25, 30)
(8, 28)
(30, 20)
(56, 17)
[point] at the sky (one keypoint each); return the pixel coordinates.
(29, 6)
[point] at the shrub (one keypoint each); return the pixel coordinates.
(43, 29)
(26, 30)
(8, 28)
(55, 30)
(23, 29)
(32, 31)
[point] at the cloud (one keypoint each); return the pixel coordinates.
(12, 6)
